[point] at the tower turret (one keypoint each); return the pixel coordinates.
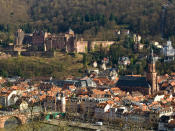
(63, 103)
(19, 36)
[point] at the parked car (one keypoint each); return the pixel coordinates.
(99, 123)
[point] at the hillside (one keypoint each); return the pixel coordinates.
(149, 18)
(60, 66)
(13, 11)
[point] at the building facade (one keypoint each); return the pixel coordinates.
(168, 51)
(145, 85)
(69, 42)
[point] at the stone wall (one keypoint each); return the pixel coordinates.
(12, 53)
(66, 42)
(70, 44)
(81, 46)
(104, 44)
(84, 46)
(43, 41)
(38, 39)
(38, 53)
(55, 43)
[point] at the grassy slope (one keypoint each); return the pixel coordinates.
(60, 66)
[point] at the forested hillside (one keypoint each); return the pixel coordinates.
(147, 17)
(13, 11)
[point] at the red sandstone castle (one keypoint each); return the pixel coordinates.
(43, 41)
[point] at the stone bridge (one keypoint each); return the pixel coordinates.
(21, 117)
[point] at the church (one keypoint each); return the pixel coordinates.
(146, 85)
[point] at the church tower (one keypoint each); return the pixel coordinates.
(63, 103)
(151, 73)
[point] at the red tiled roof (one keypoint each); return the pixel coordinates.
(110, 102)
(173, 74)
(165, 84)
(172, 83)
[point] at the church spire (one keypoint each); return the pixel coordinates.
(151, 58)
(151, 72)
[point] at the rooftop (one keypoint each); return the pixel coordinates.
(131, 81)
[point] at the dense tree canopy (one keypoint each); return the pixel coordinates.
(142, 16)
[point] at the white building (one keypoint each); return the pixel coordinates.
(95, 64)
(23, 106)
(158, 97)
(124, 61)
(101, 110)
(137, 38)
(6, 98)
(168, 50)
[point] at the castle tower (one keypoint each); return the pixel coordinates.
(151, 73)
(45, 48)
(71, 32)
(19, 36)
(63, 103)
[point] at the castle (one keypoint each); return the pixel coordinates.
(19, 37)
(145, 85)
(69, 42)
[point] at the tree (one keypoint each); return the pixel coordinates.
(85, 60)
